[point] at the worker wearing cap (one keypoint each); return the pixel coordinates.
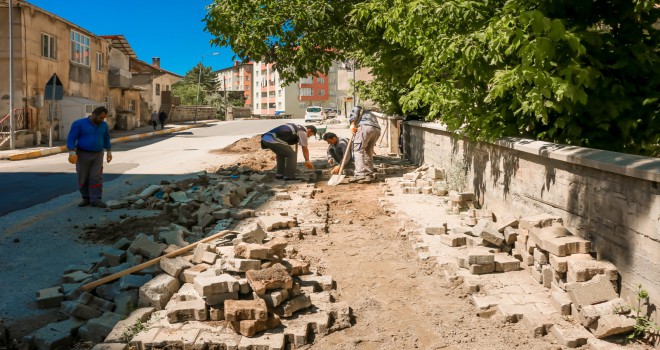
(87, 139)
(280, 140)
(366, 133)
(336, 149)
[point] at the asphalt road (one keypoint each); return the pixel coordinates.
(26, 183)
(40, 222)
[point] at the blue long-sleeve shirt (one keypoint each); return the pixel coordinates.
(86, 136)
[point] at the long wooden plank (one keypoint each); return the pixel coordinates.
(91, 285)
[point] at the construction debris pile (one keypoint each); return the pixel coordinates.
(240, 289)
(575, 283)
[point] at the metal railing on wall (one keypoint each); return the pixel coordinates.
(20, 123)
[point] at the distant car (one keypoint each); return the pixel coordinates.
(331, 113)
(314, 114)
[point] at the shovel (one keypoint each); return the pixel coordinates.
(337, 179)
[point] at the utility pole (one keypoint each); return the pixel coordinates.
(11, 77)
(224, 85)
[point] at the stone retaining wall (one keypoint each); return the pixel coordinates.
(187, 113)
(610, 198)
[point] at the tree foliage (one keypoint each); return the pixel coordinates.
(578, 72)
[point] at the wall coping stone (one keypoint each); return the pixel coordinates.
(641, 167)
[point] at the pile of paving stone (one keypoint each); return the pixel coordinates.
(245, 289)
(576, 283)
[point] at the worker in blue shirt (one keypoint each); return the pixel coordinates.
(87, 139)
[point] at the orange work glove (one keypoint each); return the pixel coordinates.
(73, 158)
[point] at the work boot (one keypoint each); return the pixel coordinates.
(357, 178)
(98, 204)
(367, 180)
(84, 202)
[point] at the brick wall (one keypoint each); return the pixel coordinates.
(611, 198)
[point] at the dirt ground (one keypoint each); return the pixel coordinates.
(398, 301)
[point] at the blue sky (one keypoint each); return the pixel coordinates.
(169, 29)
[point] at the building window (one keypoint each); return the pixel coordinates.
(131, 105)
(167, 88)
(306, 92)
(99, 61)
(320, 80)
(264, 106)
(308, 80)
(321, 92)
(79, 48)
(332, 69)
(48, 46)
(247, 78)
(247, 87)
(271, 93)
(158, 89)
(333, 93)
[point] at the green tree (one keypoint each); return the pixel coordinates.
(208, 79)
(578, 72)
(187, 93)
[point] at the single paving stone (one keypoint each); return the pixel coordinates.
(99, 328)
(50, 297)
(294, 304)
(559, 241)
(560, 263)
(210, 285)
(296, 267)
(583, 270)
(561, 302)
(174, 338)
(174, 237)
(75, 277)
(133, 281)
(158, 291)
(480, 256)
(47, 338)
(542, 220)
(188, 275)
(506, 263)
(481, 269)
(238, 310)
(79, 310)
(248, 328)
(146, 247)
(572, 337)
(253, 251)
(273, 222)
(275, 277)
(453, 240)
(114, 256)
(591, 313)
(320, 283)
(188, 310)
(174, 266)
(599, 289)
(609, 325)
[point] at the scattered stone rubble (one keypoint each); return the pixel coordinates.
(567, 283)
(245, 290)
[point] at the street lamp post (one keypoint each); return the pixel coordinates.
(199, 80)
(11, 77)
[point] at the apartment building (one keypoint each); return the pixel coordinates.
(271, 96)
(237, 78)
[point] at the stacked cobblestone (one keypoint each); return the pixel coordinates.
(245, 290)
(484, 244)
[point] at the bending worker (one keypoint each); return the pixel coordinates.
(336, 149)
(86, 141)
(280, 139)
(366, 133)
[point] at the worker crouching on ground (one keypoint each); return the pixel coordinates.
(336, 149)
(367, 132)
(280, 139)
(86, 141)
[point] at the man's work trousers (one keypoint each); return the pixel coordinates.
(286, 157)
(90, 174)
(363, 149)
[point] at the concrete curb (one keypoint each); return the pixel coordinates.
(60, 149)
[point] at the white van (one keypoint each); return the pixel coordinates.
(314, 114)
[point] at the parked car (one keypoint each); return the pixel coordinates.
(331, 113)
(314, 114)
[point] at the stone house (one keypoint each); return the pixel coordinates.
(45, 44)
(155, 86)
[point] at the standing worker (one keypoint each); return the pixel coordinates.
(280, 139)
(336, 149)
(162, 117)
(86, 141)
(367, 132)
